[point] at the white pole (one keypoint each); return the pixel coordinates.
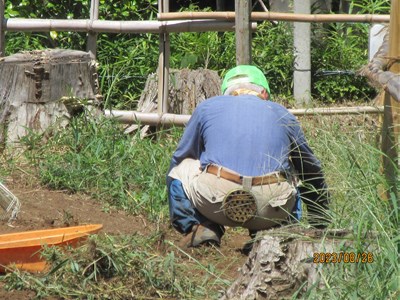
(302, 62)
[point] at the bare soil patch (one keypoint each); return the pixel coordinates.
(42, 208)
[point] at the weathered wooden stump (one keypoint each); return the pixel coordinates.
(187, 88)
(190, 87)
(39, 89)
(281, 263)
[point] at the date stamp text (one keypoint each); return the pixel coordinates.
(342, 257)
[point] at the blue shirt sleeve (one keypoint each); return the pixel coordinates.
(191, 143)
(313, 191)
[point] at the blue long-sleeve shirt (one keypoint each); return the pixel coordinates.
(252, 137)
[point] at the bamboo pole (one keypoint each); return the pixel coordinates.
(39, 25)
(129, 117)
(2, 29)
(163, 64)
(355, 110)
(391, 117)
(166, 63)
(243, 32)
(264, 16)
(92, 36)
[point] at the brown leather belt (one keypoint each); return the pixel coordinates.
(236, 178)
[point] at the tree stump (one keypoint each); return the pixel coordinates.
(281, 263)
(39, 89)
(187, 88)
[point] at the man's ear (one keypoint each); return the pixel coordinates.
(265, 94)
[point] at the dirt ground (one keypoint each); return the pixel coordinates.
(42, 208)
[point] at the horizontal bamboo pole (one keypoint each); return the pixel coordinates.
(128, 117)
(39, 25)
(351, 110)
(263, 16)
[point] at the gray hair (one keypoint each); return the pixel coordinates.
(245, 85)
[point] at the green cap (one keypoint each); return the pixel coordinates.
(245, 74)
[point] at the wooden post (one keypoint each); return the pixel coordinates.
(163, 64)
(243, 32)
(391, 121)
(92, 36)
(2, 39)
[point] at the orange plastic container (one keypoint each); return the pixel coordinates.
(22, 249)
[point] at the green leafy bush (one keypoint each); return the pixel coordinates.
(125, 60)
(338, 52)
(273, 53)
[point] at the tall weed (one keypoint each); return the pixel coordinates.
(352, 162)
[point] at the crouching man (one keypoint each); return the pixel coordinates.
(239, 163)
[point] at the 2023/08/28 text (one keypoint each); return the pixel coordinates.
(345, 257)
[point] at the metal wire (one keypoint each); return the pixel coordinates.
(334, 72)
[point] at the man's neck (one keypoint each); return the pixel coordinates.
(246, 92)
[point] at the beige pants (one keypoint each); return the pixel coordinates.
(207, 192)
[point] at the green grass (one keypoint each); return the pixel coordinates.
(110, 267)
(351, 161)
(95, 157)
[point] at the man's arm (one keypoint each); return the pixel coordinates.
(314, 190)
(191, 143)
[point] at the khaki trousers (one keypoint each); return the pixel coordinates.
(207, 192)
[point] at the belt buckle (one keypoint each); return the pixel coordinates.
(239, 205)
